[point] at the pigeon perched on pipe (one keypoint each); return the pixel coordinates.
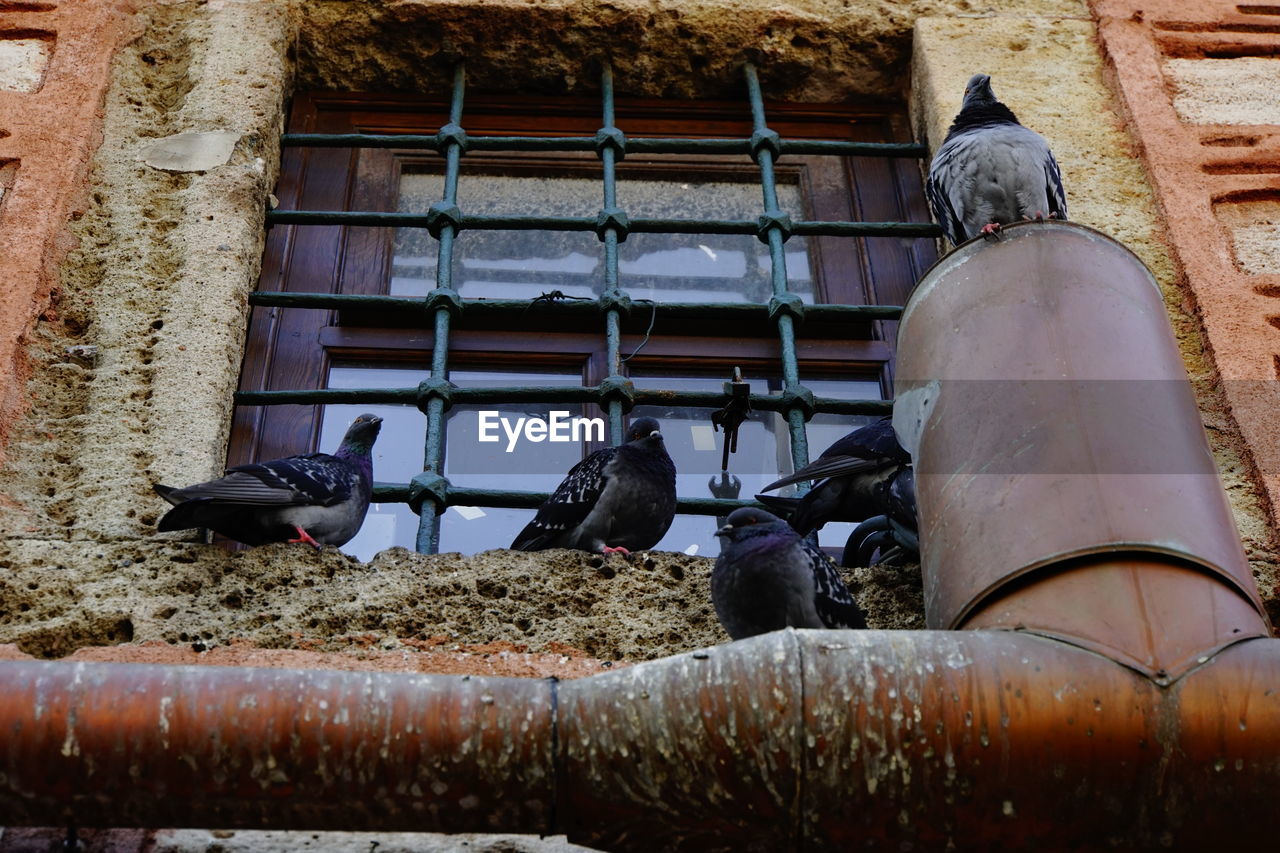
(767, 577)
(318, 498)
(617, 499)
(991, 171)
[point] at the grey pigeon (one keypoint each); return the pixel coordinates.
(767, 577)
(860, 470)
(991, 171)
(617, 499)
(317, 498)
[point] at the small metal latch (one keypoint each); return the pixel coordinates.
(733, 414)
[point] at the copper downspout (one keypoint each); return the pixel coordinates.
(1064, 480)
(965, 740)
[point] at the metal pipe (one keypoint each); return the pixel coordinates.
(1064, 481)
(793, 740)
(137, 745)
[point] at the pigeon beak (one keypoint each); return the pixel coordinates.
(656, 434)
(725, 531)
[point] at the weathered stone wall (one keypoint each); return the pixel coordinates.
(133, 383)
(1190, 80)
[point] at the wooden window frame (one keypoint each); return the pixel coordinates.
(293, 348)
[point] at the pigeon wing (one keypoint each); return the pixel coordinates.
(832, 599)
(835, 466)
(779, 506)
(1057, 196)
(317, 479)
(865, 449)
(570, 504)
(938, 193)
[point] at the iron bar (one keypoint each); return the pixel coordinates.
(775, 238)
(638, 145)
(428, 538)
(613, 294)
(511, 499)
(643, 225)
(615, 393)
(485, 308)
(553, 394)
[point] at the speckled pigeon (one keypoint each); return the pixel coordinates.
(767, 577)
(617, 499)
(991, 171)
(317, 498)
(860, 470)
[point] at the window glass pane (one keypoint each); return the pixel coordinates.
(501, 264)
(706, 267)
(763, 452)
(397, 455)
(764, 449)
(515, 464)
(524, 264)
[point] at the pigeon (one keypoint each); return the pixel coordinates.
(619, 499)
(317, 498)
(767, 577)
(991, 171)
(893, 534)
(859, 471)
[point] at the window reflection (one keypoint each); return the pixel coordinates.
(764, 453)
(398, 455)
(528, 466)
(764, 449)
(666, 267)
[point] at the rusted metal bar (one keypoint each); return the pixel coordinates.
(794, 740)
(1062, 471)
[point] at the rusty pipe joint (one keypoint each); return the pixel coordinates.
(1064, 481)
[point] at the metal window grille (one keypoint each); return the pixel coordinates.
(616, 394)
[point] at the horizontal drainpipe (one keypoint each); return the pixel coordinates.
(797, 739)
(1133, 699)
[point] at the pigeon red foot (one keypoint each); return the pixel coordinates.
(304, 536)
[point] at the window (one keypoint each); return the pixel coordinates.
(530, 292)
